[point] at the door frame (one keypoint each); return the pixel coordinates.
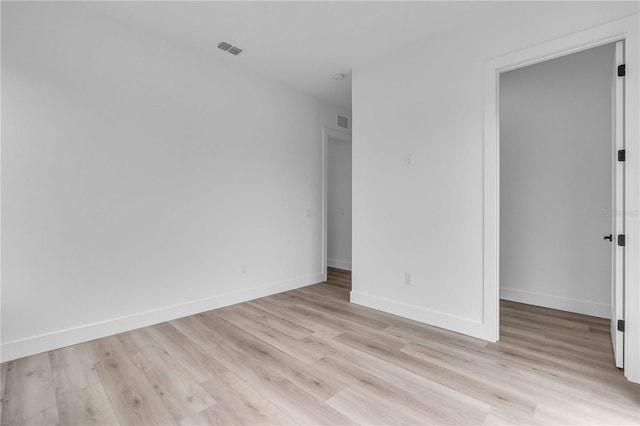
(617, 202)
(627, 30)
(343, 136)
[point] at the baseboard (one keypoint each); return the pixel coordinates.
(461, 325)
(339, 264)
(84, 333)
(600, 310)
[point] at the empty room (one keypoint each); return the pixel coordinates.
(320, 212)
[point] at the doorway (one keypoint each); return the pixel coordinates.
(561, 191)
(627, 30)
(337, 208)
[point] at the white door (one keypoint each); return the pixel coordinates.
(618, 169)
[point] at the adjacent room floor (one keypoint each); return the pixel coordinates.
(308, 356)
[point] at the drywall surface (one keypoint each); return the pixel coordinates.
(426, 100)
(339, 204)
(555, 182)
(143, 182)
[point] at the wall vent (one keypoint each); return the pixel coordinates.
(343, 122)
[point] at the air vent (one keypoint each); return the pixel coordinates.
(229, 48)
(224, 46)
(343, 122)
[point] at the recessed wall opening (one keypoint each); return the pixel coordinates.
(338, 154)
(561, 200)
(337, 195)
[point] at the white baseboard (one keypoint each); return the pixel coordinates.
(461, 325)
(600, 310)
(340, 264)
(84, 333)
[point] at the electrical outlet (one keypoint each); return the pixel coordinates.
(243, 268)
(408, 278)
(308, 212)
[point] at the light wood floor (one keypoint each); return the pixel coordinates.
(339, 278)
(309, 357)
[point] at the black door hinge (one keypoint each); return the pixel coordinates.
(621, 325)
(621, 240)
(622, 155)
(622, 70)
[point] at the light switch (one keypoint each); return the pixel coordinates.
(408, 278)
(409, 160)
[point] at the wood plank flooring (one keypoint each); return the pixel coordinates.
(339, 278)
(308, 356)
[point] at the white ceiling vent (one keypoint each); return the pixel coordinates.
(229, 48)
(343, 122)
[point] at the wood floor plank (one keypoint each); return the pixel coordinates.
(87, 406)
(486, 392)
(482, 369)
(81, 398)
(495, 418)
(339, 323)
(193, 358)
(343, 309)
(562, 349)
(105, 348)
(335, 292)
(291, 398)
(349, 312)
(373, 410)
(535, 319)
(249, 406)
(588, 369)
(264, 332)
(573, 376)
(72, 369)
(287, 327)
(339, 277)
(239, 344)
(376, 388)
(132, 396)
(214, 415)
(47, 416)
(410, 334)
(29, 396)
(179, 392)
(476, 362)
(305, 319)
(444, 402)
(580, 413)
(510, 308)
(3, 381)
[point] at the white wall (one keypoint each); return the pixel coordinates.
(555, 182)
(338, 204)
(427, 99)
(137, 179)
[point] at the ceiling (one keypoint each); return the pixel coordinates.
(304, 43)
